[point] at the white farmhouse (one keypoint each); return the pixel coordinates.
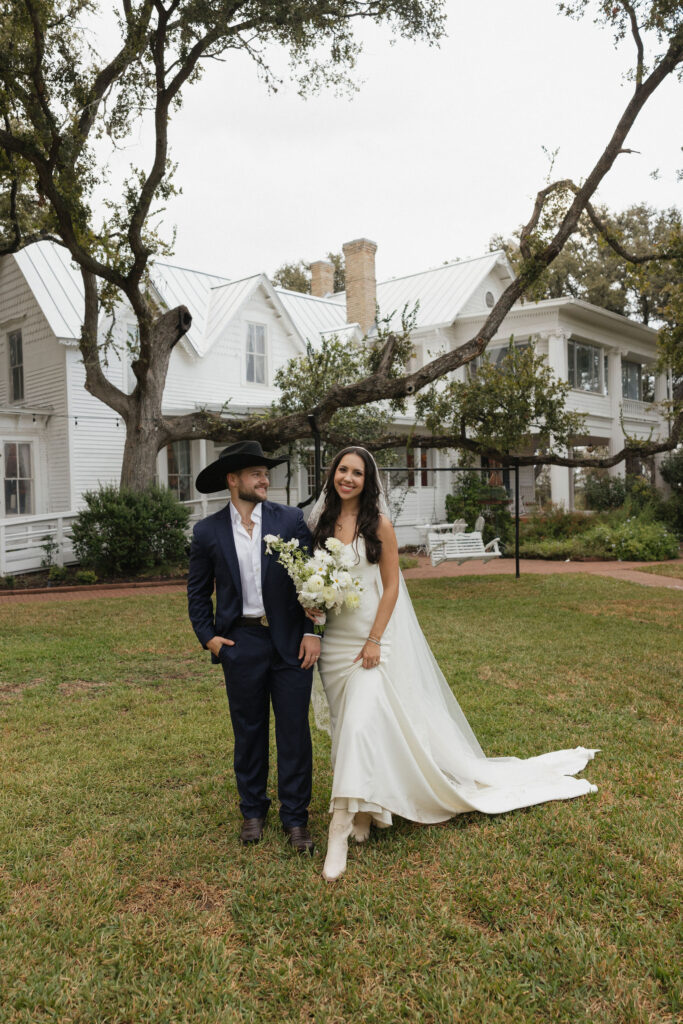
(56, 441)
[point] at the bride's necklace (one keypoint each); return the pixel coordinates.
(341, 523)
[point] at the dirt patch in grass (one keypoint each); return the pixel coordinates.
(81, 686)
(159, 897)
(8, 691)
(634, 612)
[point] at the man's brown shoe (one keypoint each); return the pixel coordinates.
(252, 830)
(299, 837)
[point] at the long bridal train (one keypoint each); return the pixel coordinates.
(400, 742)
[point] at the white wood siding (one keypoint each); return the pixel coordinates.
(44, 386)
(96, 442)
(221, 374)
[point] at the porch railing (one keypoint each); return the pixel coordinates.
(23, 540)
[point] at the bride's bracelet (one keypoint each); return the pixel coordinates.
(374, 640)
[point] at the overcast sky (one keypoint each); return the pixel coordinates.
(440, 148)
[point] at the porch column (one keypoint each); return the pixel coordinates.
(203, 459)
(560, 486)
(616, 435)
(557, 352)
(560, 482)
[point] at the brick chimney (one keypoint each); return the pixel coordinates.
(361, 285)
(322, 278)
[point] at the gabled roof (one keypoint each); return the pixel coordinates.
(56, 284)
(314, 317)
(213, 300)
(192, 288)
(441, 292)
(226, 300)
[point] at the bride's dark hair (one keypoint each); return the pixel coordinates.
(368, 512)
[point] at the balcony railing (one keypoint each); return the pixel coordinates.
(635, 410)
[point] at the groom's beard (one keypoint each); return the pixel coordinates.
(255, 496)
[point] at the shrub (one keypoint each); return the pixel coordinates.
(552, 548)
(51, 547)
(635, 540)
(670, 512)
(472, 497)
(641, 496)
(671, 469)
(639, 541)
(555, 523)
(604, 492)
(7, 581)
(86, 576)
(58, 574)
(124, 533)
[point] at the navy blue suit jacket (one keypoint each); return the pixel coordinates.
(213, 560)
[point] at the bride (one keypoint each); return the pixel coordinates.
(400, 742)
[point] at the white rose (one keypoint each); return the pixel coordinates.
(329, 595)
(315, 584)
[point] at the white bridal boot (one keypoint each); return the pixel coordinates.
(337, 845)
(360, 829)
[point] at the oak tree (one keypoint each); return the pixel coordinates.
(58, 96)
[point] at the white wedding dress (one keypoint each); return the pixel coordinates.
(400, 742)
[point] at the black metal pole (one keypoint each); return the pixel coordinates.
(316, 456)
(517, 520)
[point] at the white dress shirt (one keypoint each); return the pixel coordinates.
(249, 559)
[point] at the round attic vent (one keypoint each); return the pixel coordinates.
(489, 299)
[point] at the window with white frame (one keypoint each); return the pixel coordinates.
(16, 367)
(180, 470)
(418, 461)
(256, 354)
(637, 382)
(309, 474)
(18, 478)
(586, 367)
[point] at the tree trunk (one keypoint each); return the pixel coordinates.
(146, 431)
(139, 467)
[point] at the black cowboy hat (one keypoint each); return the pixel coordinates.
(231, 460)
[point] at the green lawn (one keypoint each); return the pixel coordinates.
(665, 569)
(126, 899)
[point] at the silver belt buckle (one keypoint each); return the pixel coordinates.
(264, 621)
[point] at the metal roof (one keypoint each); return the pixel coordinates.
(57, 285)
(313, 316)
(192, 288)
(213, 301)
(441, 292)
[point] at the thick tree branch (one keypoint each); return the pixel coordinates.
(635, 32)
(619, 249)
(95, 380)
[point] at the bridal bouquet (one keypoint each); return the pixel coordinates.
(322, 580)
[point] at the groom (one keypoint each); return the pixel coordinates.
(257, 633)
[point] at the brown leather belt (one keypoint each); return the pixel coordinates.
(252, 620)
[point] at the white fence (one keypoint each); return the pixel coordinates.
(23, 540)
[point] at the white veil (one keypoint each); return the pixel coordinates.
(421, 685)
